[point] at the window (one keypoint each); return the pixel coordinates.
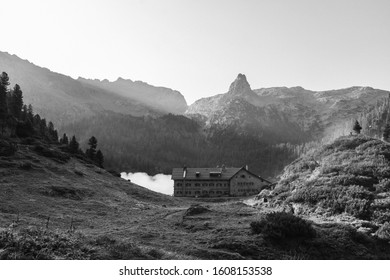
(197, 184)
(242, 176)
(179, 184)
(204, 184)
(211, 184)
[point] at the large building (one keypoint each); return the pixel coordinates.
(204, 182)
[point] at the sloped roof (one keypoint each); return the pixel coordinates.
(204, 173)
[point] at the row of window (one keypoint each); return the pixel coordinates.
(245, 183)
(203, 184)
(203, 192)
(247, 190)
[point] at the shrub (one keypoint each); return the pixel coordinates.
(51, 153)
(39, 244)
(384, 231)
(114, 173)
(282, 225)
(25, 165)
(7, 148)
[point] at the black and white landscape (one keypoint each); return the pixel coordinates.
(70, 148)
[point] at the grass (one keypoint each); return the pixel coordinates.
(112, 218)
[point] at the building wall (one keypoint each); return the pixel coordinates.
(245, 184)
(201, 188)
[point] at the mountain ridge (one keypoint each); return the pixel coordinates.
(63, 99)
(314, 112)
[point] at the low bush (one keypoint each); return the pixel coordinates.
(30, 244)
(25, 165)
(7, 148)
(384, 231)
(114, 173)
(282, 225)
(52, 153)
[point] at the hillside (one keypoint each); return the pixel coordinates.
(54, 205)
(346, 181)
(64, 100)
(156, 145)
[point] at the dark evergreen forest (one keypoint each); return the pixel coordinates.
(19, 125)
(156, 145)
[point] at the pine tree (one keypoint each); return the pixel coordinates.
(356, 127)
(74, 145)
(386, 132)
(99, 158)
(24, 113)
(30, 112)
(16, 101)
(4, 83)
(64, 140)
(91, 152)
(53, 134)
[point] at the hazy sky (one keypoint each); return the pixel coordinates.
(199, 46)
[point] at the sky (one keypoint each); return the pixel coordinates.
(199, 46)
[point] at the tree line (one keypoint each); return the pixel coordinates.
(17, 120)
(156, 145)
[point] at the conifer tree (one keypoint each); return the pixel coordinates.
(99, 158)
(24, 113)
(386, 132)
(16, 101)
(53, 134)
(74, 145)
(4, 83)
(30, 112)
(91, 152)
(356, 127)
(64, 140)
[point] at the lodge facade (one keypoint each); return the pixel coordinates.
(215, 182)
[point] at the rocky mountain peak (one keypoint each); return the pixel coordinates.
(240, 85)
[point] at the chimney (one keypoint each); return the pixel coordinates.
(223, 168)
(184, 171)
(246, 167)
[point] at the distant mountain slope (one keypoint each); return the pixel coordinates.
(156, 145)
(65, 100)
(289, 114)
(159, 98)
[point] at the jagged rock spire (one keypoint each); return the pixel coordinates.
(240, 85)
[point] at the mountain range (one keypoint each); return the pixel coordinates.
(66, 100)
(292, 114)
(264, 127)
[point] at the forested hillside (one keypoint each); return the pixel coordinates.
(157, 145)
